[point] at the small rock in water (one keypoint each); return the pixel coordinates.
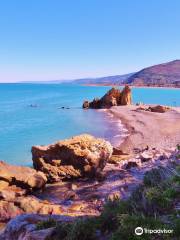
(33, 105)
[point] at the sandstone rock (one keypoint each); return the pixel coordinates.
(80, 156)
(118, 158)
(118, 155)
(146, 156)
(74, 186)
(22, 176)
(96, 103)
(114, 196)
(3, 184)
(31, 204)
(158, 109)
(86, 104)
(8, 210)
(12, 205)
(113, 97)
(11, 192)
(126, 96)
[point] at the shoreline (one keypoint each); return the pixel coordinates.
(132, 86)
(115, 126)
(158, 130)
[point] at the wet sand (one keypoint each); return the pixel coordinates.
(159, 130)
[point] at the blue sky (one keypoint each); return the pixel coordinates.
(66, 39)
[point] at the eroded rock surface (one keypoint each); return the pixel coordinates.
(24, 177)
(80, 156)
(126, 96)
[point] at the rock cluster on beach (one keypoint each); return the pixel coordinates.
(157, 108)
(114, 97)
(80, 156)
(17, 185)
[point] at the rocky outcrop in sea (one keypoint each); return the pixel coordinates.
(114, 97)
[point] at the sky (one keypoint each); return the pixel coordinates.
(70, 39)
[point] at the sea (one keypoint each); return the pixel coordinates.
(40, 114)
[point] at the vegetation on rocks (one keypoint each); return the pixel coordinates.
(153, 205)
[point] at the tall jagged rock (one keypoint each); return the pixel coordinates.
(114, 97)
(111, 98)
(80, 156)
(126, 96)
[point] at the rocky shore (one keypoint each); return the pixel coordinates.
(76, 177)
(70, 201)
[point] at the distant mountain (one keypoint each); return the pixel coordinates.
(161, 75)
(166, 74)
(110, 80)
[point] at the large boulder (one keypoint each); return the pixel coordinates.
(79, 156)
(24, 177)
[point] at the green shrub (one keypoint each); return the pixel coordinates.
(82, 230)
(61, 232)
(77, 230)
(176, 227)
(109, 217)
(127, 225)
(158, 201)
(156, 176)
(46, 224)
(171, 193)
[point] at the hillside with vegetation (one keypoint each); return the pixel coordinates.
(162, 75)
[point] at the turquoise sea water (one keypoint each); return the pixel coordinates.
(31, 114)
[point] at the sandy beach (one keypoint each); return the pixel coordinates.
(159, 130)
